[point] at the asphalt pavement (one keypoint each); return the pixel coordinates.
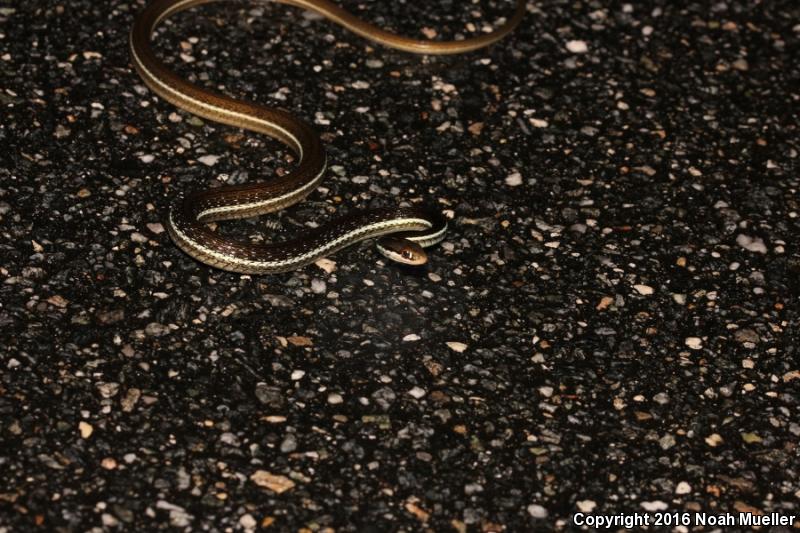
(610, 326)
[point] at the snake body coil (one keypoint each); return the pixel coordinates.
(411, 229)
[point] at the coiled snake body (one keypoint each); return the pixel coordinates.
(404, 231)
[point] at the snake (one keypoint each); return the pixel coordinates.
(402, 232)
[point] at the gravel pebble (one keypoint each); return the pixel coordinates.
(577, 47)
(417, 392)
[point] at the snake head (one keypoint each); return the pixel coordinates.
(402, 251)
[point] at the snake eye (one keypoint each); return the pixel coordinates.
(408, 254)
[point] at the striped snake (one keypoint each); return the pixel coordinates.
(403, 231)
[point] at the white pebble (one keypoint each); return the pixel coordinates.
(683, 488)
(656, 505)
(335, 399)
(537, 511)
(457, 346)
(326, 264)
(695, 343)
(751, 244)
(417, 392)
(586, 506)
(209, 160)
(318, 286)
(644, 290)
(577, 47)
(514, 179)
(155, 227)
(248, 522)
(411, 337)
